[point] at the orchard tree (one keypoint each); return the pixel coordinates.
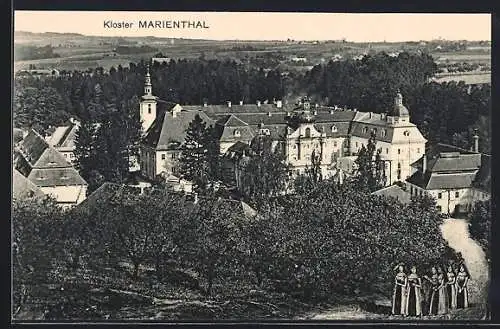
(35, 244)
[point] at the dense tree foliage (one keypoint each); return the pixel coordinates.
(370, 173)
(480, 224)
(200, 158)
(265, 172)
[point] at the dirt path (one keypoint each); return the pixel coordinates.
(456, 232)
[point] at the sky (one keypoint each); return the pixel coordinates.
(359, 27)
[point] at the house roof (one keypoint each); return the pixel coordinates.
(396, 192)
(430, 181)
(56, 177)
(168, 130)
(454, 161)
(22, 187)
(64, 136)
(104, 195)
(44, 165)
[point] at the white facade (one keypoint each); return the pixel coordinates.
(66, 196)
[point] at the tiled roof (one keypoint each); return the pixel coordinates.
(430, 181)
(103, 195)
(448, 162)
(32, 147)
(363, 129)
(237, 109)
(56, 177)
(394, 191)
(64, 136)
(450, 181)
(22, 187)
(167, 129)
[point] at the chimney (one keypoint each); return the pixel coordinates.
(424, 163)
(279, 104)
(205, 104)
(258, 103)
(476, 142)
(228, 103)
(241, 102)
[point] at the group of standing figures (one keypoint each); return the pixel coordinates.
(436, 294)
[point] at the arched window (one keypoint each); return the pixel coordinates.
(406, 133)
(308, 132)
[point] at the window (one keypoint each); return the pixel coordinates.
(440, 195)
(383, 133)
(418, 151)
(308, 132)
(163, 156)
(365, 130)
(237, 133)
(334, 128)
(457, 194)
(406, 133)
(335, 144)
(356, 144)
(174, 155)
(294, 146)
(411, 190)
(399, 151)
(387, 151)
(149, 108)
(438, 208)
(420, 193)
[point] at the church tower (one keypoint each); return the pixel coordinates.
(148, 104)
(399, 113)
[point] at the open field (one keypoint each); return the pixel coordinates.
(83, 52)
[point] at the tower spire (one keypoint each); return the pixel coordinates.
(147, 82)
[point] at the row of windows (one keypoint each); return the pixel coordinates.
(440, 195)
(172, 156)
(383, 132)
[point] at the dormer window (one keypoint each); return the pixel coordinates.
(365, 130)
(374, 131)
(383, 132)
(237, 133)
(308, 132)
(334, 129)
